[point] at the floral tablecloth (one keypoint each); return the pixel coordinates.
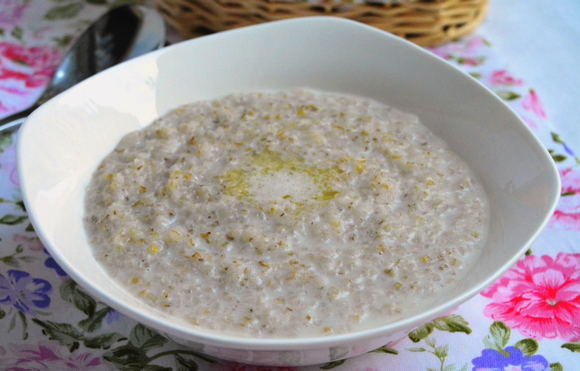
(527, 320)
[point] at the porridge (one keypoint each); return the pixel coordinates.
(285, 214)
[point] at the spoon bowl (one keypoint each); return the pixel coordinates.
(120, 34)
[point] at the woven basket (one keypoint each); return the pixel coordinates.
(424, 22)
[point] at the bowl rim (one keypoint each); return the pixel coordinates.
(208, 337)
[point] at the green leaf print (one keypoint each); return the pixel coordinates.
(133, 354)
(385, 349)
(508, 95)
(13, 260)
(10, 261)
(421, 332)
(184, 364)
(332, 365)
(94, 322)
(452, 323)
(156, 368)
(556, 138)
(64, 11)
(500, 334)
(144, 338)
(10, 219)
(573, 347)
(556, 367)
(17, 33)
(440, 352)
(66, 334)
(72, 293)
(5, 140)
(104, 341)
(20, 205)
(62, 41)
(559, 158)
(69, 291)
(127, 357)
(416, 350)
(527, 346)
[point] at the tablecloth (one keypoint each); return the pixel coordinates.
(529, 319)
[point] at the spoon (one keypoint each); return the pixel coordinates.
(120, 34)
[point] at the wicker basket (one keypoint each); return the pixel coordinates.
(424, 22)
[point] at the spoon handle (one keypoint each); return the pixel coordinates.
(13, 122)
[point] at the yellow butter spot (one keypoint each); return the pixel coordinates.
(153, 249)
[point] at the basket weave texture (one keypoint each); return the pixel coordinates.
(424, 22)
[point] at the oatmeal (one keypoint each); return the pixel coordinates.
(285, 214)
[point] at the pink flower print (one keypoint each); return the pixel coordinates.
(30, 357)
(531, 103)
(12, 12)
(540, 297)
(531, 124)
(48, 356)
(475, 43)
(33, 66)
(24, 71)
(81, 361)
(469, 61)
(465, 49)
(567, 214)
(32, 243)
(502, 77)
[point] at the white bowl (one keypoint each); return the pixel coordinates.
(63, 141)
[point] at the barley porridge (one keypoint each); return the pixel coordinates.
(294, 213)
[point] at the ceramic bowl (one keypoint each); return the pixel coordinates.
(63, 141)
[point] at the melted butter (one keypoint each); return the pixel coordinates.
(272, 178)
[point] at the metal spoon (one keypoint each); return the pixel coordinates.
(120, 34)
